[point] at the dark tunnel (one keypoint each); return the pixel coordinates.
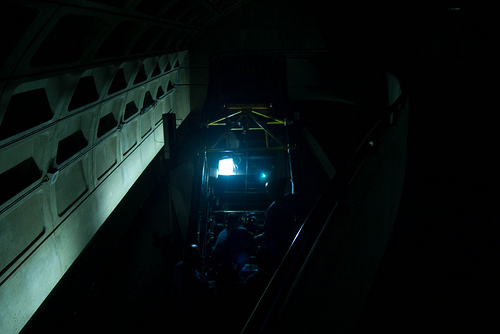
(247, 167)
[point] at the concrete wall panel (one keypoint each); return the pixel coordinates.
(71, 185)
(145, 123)
(35, 147)
(164, 106)
(106, 155)
(151, 145)
(24, 291)
(128, 138)
(20, 227)
(82, 162)
(181, 103)
(109, 116)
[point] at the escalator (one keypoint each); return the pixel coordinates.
(323, 280)
(346, 170)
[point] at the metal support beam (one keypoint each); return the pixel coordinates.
(253, 115)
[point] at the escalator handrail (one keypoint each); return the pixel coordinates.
(265, 315)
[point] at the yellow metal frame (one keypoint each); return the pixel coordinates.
(252, 114)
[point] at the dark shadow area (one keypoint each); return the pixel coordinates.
(25, 111)
(18, 178)
(440, 266)
(119, 82)
(85, 93)
(70, 145)
(122, 282)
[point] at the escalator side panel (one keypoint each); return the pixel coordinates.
(329, 293)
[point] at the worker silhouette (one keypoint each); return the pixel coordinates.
(231, 252)
(233, 246)
(279, 227)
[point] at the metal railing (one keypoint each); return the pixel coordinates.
(265, 315)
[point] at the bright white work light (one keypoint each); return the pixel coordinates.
(226, 166)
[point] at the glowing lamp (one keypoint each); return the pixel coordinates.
(226, 166)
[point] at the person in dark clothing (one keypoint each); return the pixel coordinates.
(233, 246)
(197, 297)
(231, 252)
(279, 227)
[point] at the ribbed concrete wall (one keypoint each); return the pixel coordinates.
(62, 177)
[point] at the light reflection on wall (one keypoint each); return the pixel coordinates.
(25, 290)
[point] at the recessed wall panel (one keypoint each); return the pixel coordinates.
(119, 82)
(28, 286)
(128, 137)
(25, 111)
(130, 110)
(109, 115)
(84, 94)
(105, 156)
(22, 166)
(158, 111)
(145, 122)
(20, 227)
(151, 145)
(71, 185)
(74, 134)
